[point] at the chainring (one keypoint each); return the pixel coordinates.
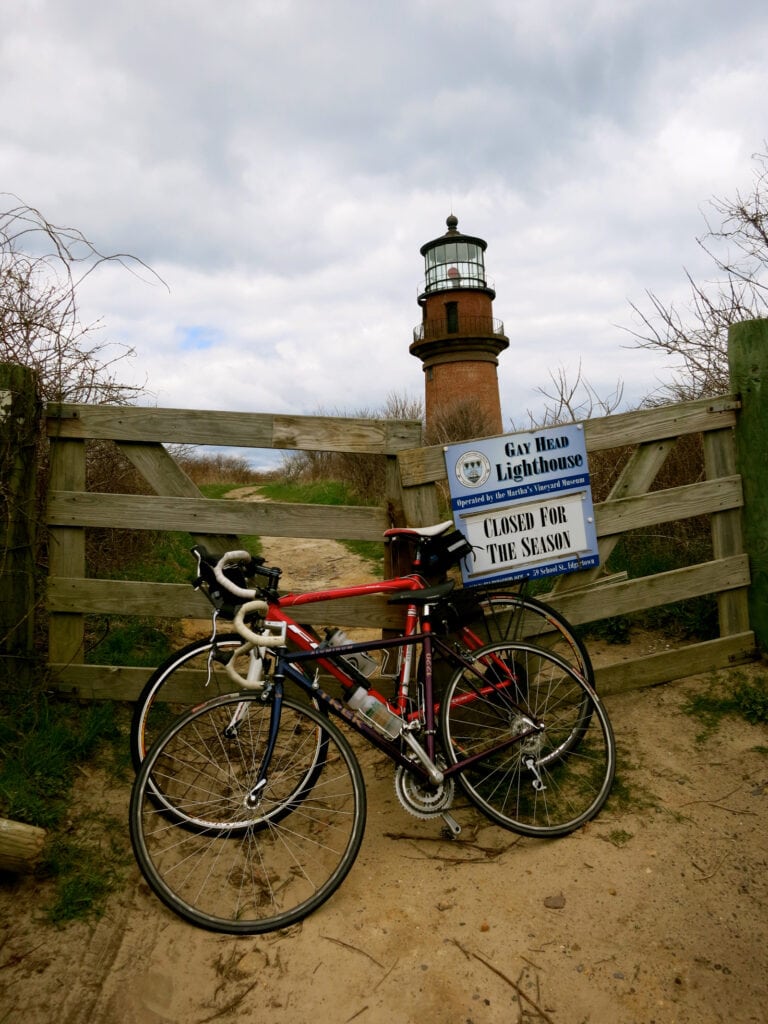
(420, 800)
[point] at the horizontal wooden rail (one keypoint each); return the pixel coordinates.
(427, 465)
(622, 514)
(174, 600)
(692, 659)
(171, 600)
(205, 515)
(240, 429)
(591, 605)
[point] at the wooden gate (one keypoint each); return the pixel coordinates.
(643, 439)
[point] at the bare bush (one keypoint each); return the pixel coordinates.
(41, 267)
(216, 467)
(697, 338)
(460, 421)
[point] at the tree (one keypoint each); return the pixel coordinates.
(570, 400)
(41, 268)
(698, 338)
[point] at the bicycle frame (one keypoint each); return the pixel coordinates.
(288, 666)
(307, 642)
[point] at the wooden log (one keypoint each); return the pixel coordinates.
(21, 846)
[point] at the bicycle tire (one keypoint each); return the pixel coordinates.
(247, 872)
(503, 615)
(558, 777)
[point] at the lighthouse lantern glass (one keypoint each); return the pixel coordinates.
(455, 265)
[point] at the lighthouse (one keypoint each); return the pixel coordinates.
(458, 340)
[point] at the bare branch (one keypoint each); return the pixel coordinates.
(572, 401)
(41, 268)
(697, 339)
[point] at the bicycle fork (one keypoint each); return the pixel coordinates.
(274, 692)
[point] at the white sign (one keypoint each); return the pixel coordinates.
(524, 503)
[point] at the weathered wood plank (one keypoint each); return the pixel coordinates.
(653, 591)
(656, 424)
(21, 846)
(204, 515)
(66, 551)
(421, 505)
(618, 516)
(241, 429)
(106, 682)
(722, 653)
(173, 600)
(727, 530)
(427, 465)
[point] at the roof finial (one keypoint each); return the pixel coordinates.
(453, 223)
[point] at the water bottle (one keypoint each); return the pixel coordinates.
(375, 712)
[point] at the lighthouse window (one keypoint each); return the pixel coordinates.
(452, 317)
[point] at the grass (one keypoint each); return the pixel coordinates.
(735, 696)
(619, 837)
(86, 865)
(44, 744)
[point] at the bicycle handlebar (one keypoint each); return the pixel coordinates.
(233, 558)
(226, 576)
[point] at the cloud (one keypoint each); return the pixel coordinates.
(280, 164)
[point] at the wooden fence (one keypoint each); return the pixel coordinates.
(644, 440)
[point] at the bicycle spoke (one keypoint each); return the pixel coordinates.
(538, 745)
(247, 869)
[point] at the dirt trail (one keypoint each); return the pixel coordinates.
(655, 913)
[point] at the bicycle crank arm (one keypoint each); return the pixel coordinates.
(451, 824)
(434, 773)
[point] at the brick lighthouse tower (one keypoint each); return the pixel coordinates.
(458, 340)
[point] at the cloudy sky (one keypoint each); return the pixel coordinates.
(279, 163)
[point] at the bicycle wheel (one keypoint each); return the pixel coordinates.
(495, 616)
(247, 869)
(558, 772)
(182, 679)
(184, 797)
(189, 675)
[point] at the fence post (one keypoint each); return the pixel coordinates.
(748, 364)
(19, 426)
